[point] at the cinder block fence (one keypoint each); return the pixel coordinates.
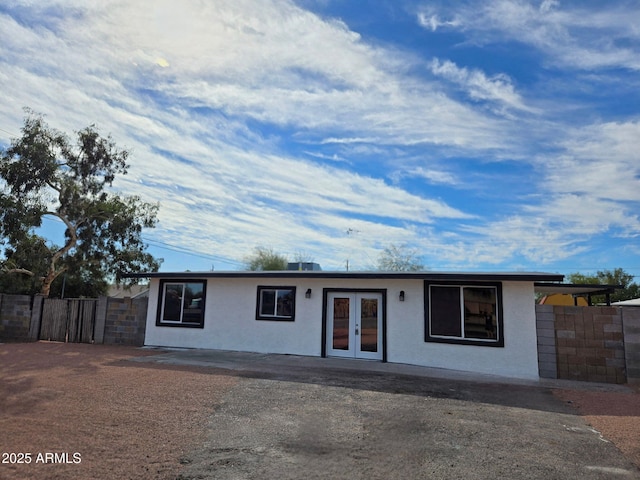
(594, 344)
(15, 317)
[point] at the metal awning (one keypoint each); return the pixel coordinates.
(576, 290)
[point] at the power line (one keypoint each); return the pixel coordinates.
(174, 248)
(179, 249)
(6, 131)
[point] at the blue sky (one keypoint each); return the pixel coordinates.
(500, 135)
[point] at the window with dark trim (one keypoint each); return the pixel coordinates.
(469, 314)
(276, 303)
(181, 303)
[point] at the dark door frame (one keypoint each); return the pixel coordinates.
(381, 291)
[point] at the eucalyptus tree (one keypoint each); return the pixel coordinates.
(44, 174)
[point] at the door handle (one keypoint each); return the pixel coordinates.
(357, 330)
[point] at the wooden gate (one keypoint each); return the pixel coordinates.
(68, 320)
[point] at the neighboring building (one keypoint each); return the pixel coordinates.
(564, 299)
(134, 291)
(635, 302)
(480, 322)
(303, 266)
(578, 295)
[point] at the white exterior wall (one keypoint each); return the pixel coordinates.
(518, 358)
(230, 324)
(230, 320)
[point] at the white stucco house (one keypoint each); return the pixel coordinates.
(477, 322)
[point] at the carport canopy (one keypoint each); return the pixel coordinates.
(576, 290)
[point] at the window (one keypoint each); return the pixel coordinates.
(276, 303)
(181, 303)
(468, 314)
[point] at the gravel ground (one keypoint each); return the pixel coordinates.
(289, 430)
(147, 420)
(127, 421)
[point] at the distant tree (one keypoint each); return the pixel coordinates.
(43, 174)
(399, 258)
(266, 259)
(302, 257)
(617, 276)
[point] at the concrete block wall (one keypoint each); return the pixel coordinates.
(125, 321)
(545, 327)
(631, 330)
(15, 317)
(590, 344)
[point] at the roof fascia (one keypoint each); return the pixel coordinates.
(306, 274)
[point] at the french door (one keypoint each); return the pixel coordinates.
(354, 325)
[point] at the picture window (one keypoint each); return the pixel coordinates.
(466, 314)
(181, 303)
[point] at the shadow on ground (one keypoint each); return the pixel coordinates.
(504, 394)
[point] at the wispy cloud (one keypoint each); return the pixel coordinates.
(497, 88)
(592, 188)
(571, 34)
(431, 175)
(433, 21)
(600, 162)
(260, 122)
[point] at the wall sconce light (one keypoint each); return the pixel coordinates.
(401, 296)
(307, 294)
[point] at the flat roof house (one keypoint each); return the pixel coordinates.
(478, 322)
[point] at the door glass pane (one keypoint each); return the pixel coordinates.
(369, 325)
(341, 324)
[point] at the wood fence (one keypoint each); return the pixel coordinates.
(68, 320)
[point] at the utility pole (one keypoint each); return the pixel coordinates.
(350, 232)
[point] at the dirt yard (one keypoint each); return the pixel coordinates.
(84, 411)
(120, 419)
(615, 415)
